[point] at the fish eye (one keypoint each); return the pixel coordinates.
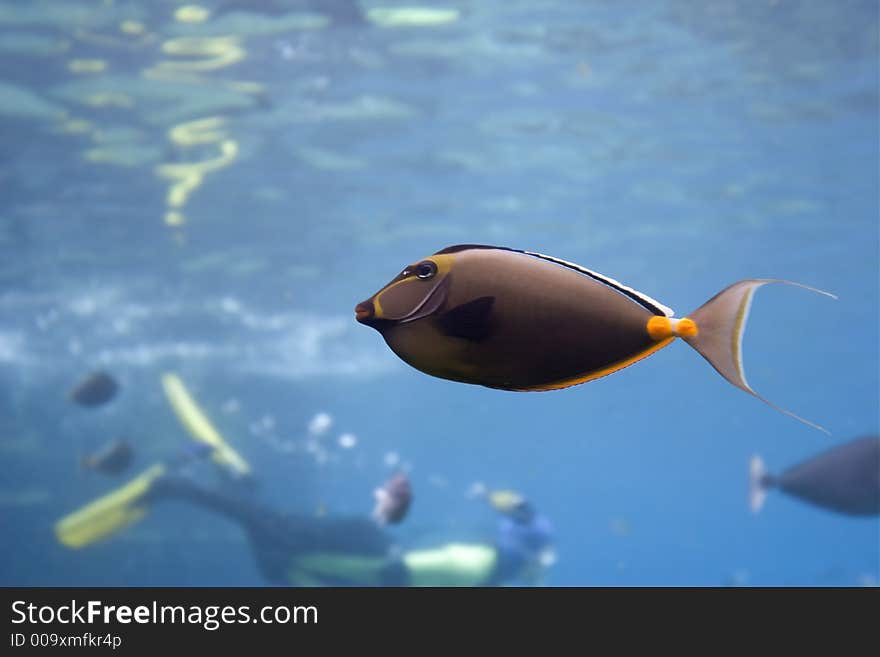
(426, 269)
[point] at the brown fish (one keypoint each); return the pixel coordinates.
(95, 389)
(112, 458)
(519, 320)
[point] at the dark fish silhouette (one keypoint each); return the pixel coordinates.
(845, 479)
(113, 458)
(393, 500)
(95, 389)
(520, 320)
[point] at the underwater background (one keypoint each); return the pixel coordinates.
(210, 190)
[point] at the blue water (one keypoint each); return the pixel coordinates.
(676, 147)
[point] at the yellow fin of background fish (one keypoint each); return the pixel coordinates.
(107, 514)
(199, 426)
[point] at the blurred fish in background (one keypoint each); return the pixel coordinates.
(844, 479)
(393, 500)
(95, 389)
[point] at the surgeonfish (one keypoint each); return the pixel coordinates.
(393, 500)
(519, 320)
(113, 458)
(845, 479)
(94, 389)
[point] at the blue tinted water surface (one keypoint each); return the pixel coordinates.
(677, 147)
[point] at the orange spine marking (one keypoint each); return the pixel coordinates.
(686, 328)
(659, 327)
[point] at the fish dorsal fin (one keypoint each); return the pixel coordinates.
(639, 297)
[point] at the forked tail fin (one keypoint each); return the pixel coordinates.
(721, 322)
(757, 483)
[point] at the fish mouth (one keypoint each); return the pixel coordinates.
(363, 311)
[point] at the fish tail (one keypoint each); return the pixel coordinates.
(757, 483)
(716, 329)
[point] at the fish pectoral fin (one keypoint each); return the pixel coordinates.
(469, 321)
